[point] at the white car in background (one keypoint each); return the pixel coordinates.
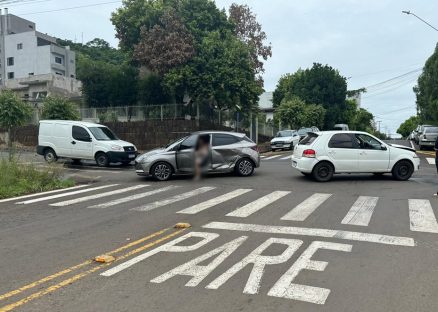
(323, 154)
(285, 139)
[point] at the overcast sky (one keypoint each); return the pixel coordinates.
(368, 41)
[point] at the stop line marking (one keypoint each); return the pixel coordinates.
(328, 233)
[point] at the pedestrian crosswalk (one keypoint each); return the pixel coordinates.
(284, 205)
(276, 157)
(431, 160)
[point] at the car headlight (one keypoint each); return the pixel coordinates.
(116, 148)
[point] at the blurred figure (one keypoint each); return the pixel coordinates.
(202, 153)
(436, 159)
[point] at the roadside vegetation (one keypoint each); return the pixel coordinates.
(20, 179)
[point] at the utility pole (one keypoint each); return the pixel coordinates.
(427, 23)
(379, 121)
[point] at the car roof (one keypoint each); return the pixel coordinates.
(342, 131)
(220, 132)
(73, 122)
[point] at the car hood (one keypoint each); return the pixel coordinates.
(154, 152)
(281, 139)
(402, 147)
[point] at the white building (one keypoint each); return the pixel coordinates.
(32, 63)
(266, 105)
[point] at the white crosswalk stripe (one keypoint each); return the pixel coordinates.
(133, 197)
(271, 157)
(258, 204)
(286, 158)
(421, 216)
(306, 208)
(36, 200)
(214, 201)
(431, 161)
(361, 211)
(96, 196)
(42, 193)
(173, 199)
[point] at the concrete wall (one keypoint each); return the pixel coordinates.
(146, 135)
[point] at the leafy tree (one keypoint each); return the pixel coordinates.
(151, 91)
(166, 45)
(427, 91)
(59, 108)
(408, 126)
(362, 120)
(314, 115)
(295, 113)
(13, 112)
(322, 85)
(220, 75)
(250, 31)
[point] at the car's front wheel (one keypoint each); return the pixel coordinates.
(402, 170)
(161, 171)
(323, 171)
(244, 167)
(102, 160)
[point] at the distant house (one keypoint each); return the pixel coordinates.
(266, 105)
(32, 63)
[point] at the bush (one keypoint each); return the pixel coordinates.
(60, 109)
(18, 179)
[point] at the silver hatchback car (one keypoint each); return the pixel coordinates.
(228, 152)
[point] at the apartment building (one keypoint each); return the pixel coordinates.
(32, 63)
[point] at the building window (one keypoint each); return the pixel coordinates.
(19, 46)
(30, 74)
(72, 61)
(11, 75)
(60, 74)
(10, 61)
(58, 60)
(72, 76)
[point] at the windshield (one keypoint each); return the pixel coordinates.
(284, 133)
(103, 134)
(431, 130)
(174, 143)
(304, 131)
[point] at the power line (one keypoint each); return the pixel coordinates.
(73, 8)
(390, 88)
(28, 2)
(394, 78)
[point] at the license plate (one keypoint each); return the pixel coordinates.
(131, 156)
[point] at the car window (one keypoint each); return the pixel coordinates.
(80, 134)
(224, 139)
(431, 130)
(342, 140)
(103, 134)
(309, 139)
(284, 133)
(367, 142)
(189, 143)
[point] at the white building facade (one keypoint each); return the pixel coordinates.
(32, 63)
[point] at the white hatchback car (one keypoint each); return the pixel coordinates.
(323, 154)
(285, 139)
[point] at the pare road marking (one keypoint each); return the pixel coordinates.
(283, 288)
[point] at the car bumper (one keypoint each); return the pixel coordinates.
(303, 164)
(121, 156)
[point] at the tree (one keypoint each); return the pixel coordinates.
(322, 85)
(166, 45)
(295, 113)
(362, 120)
(427, 91)
(314, 116)
(151, 91)
(250, 32)
(220, 75)
(408, 126)
(13, 112)
(59, 108)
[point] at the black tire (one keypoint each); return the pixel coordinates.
(244, 167)
(102, 160)
(402, 170)
(50, 155)
(323, 171)
(161, 171)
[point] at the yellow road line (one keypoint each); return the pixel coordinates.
(77, 277)
(75, 267)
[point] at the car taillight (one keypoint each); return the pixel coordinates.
(309, 153)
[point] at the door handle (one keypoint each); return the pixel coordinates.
(73, 142)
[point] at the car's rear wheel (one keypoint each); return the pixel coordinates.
(402, 170)
(244, 167)
(102, 160)
(323, 171)
(50, 155)
(161, 171)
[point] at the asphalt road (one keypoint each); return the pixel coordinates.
(276, 241)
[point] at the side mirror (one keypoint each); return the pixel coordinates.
(383, 147)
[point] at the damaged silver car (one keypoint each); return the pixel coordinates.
(228, 152)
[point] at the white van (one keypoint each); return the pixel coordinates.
(341, 127)
(82, 140)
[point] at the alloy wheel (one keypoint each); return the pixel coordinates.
(245, 167)
(162, 172)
